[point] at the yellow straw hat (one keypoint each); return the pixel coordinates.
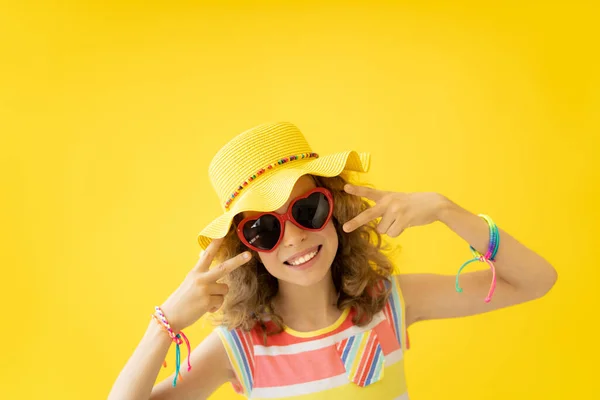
(257, 170)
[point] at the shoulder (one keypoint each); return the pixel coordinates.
(405, 283)
(394, 309)
(237, 339)
(239, 350)
(419, 291)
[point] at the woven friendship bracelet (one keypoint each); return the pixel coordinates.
(178, 338)
(165, 322)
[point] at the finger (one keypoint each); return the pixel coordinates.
(386, 221)
(397, 228)
(207, 256)
(364, 191)
(227, 266)
(217, 289)
(215, 303)
(363, 218)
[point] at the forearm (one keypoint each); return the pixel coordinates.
(517, 265)
(137, 378)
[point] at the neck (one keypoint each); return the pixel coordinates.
(307, 308)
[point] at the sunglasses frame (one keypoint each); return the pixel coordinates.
(282, 218)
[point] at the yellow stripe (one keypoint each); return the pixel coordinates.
(232, 360)
(318, 332)
(359, 354)
(391, 387)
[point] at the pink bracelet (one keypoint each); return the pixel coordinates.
(159, 317)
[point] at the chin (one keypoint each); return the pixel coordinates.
(311, 278)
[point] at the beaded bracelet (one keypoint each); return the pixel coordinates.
(160, 318)
(487, 258)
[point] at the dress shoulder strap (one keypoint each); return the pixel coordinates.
(394, 311)
(240, 351)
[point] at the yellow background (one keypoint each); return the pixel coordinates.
(111, 111)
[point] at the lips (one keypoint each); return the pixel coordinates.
(302, 253)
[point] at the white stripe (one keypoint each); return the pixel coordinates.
(300, 388)
(393, 357)
(296, 348)
(402, 397)
(246, 339)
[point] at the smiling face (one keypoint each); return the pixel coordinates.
(302, 257)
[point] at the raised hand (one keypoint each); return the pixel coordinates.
(200, 292)
(397, 210)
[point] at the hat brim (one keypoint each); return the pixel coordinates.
(273, 190)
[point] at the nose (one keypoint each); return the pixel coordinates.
(293, 235)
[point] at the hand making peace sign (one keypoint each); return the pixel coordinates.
(397, 210)
(199, 292)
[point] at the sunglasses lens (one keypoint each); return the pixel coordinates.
(262, 233)
(312, 211)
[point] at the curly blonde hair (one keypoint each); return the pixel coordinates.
(359, 265)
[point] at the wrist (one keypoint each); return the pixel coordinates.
(164, 318)
(158, 332)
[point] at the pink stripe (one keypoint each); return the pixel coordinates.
(341, 345)
(387, 337)
(388, 313)
(366, 360)
(290, 369)
(248, 349)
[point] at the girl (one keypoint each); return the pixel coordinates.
(310, 307)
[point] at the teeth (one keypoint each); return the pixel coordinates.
(303, 259)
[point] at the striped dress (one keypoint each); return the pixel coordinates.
(342, 361)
